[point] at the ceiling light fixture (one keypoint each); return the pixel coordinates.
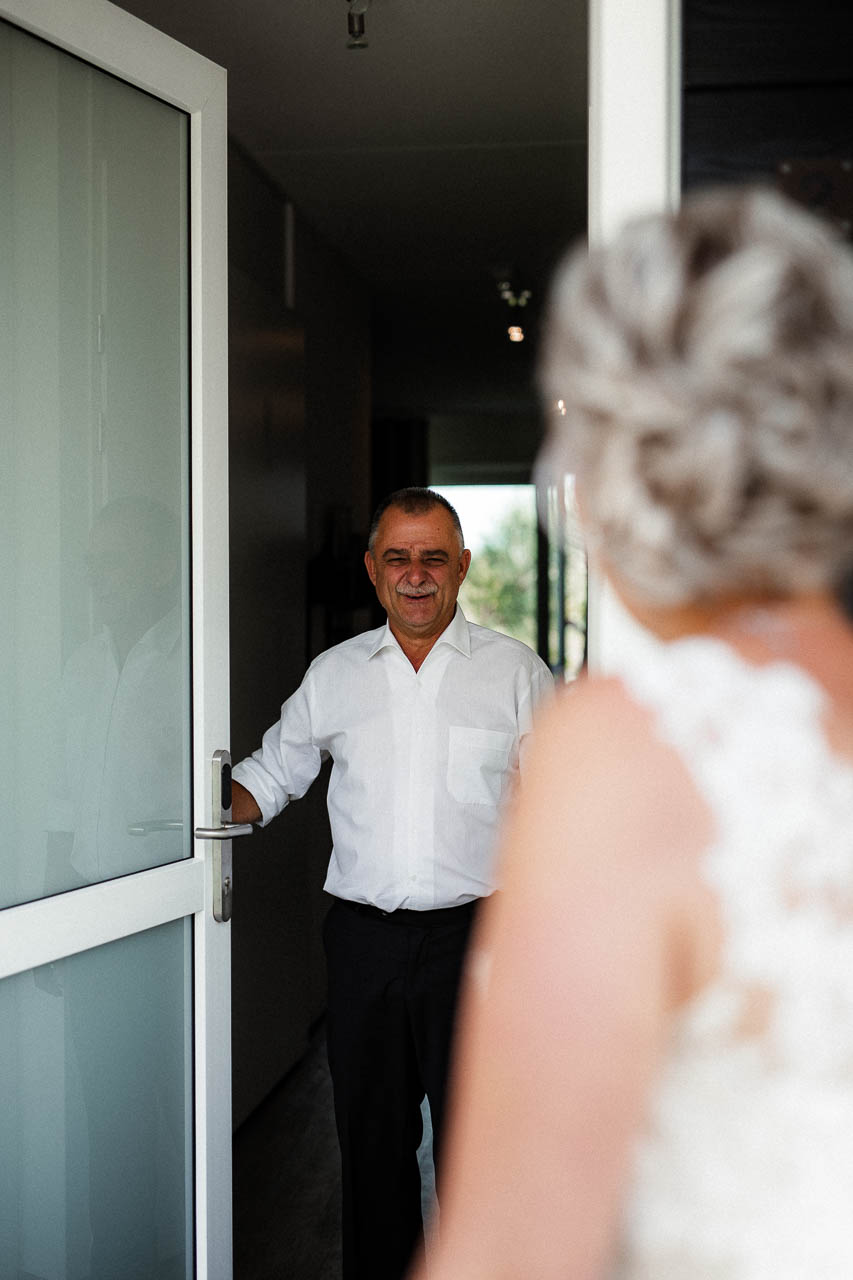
(356, 9)
(510, 297)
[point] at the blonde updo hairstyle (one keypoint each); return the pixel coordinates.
(704, 361)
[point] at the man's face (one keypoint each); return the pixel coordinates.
(119, 576)
(417, 569)
(128, 571)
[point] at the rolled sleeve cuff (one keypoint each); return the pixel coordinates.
(269, 799)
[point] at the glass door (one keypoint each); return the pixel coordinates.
(114, 975)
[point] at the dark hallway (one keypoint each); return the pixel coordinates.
(287, 1182)
(287, 1220)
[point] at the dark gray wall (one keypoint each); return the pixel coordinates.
(299, 408)
(484, 449)
(768, 97)
(335, 306)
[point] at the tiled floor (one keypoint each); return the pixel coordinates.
(287, 1179)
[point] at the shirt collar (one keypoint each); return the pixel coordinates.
(456, 634)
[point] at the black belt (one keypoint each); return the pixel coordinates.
(424, 919)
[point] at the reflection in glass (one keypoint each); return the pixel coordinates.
(95, 1062)
(118, 797)
(94, 631)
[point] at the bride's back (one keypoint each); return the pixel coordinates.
(704, 367)
(744, 1168)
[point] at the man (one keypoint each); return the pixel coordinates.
(119, 807)
(425, 720)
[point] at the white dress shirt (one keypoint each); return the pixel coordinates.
(423, 760)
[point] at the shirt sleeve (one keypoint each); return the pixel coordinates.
(540, 688)
(287, 761)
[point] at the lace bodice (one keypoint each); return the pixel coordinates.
(745, 1168)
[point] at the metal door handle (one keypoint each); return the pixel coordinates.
(222, 832)
(226, 832)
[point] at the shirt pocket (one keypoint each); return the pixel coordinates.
(477, 763)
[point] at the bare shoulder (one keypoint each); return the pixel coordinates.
(596, 754)
(599, 705)
(608, 826)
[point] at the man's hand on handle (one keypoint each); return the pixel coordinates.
(244, 807)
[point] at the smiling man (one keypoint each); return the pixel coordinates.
(417, 563)
(427, 721)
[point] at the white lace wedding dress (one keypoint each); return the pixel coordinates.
(745, 1168)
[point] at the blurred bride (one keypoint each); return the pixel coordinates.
(655, 1069)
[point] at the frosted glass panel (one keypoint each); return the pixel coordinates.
(95, 1126)
(94, 630)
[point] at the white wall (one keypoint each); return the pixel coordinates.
(634, 152)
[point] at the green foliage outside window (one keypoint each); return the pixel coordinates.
(500, 590)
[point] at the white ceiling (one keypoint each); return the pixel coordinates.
(454, 144)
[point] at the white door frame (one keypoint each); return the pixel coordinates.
(634, 168)
(41, 932)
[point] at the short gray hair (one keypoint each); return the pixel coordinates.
(704, 361)
(415, 501)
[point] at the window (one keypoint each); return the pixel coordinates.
(527, 582)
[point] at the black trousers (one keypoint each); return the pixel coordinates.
(393, 986)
